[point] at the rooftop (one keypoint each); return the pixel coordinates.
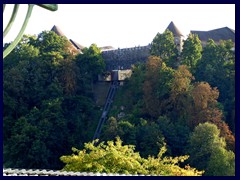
(77, 45)
(57, 30)
(224, 33)
(173, 28)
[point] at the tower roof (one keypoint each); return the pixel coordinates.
(57, 30)
(172, 27)
(73, 45)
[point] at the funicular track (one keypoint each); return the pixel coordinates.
(109, 100)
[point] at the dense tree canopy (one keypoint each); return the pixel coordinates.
(163, 46)
(46, 109)
(192, 52)
(217, 67)
(176, 103)
(207, 151)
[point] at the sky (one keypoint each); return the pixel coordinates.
(120, 25)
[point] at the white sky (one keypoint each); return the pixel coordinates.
(121, 25)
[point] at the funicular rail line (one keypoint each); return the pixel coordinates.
(109, 100)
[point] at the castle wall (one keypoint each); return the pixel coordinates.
(124, 58)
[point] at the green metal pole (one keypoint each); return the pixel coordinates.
(10, 23)
(19, 36)
(51, 7)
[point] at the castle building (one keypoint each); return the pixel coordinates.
(123, 59)
(224, 33)
(178, 36)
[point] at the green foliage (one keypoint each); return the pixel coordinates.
(163, 46)
(131, 94)
(110, 129)
(182, 81)
(217, 67)
(110, 158)
(170, 94)
(157, 84)
(149, 139)
(38, 136)
(176, 135)
(49, 107)
(91, 61)
(203, 140)
(169, 166)
(180, 95)
(46, 111)
(207, 151)
(146, 136)
(221, 163)
(113, 157)
(191, 53)
(49, 43)
(127, 132)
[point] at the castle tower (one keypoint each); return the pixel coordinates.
(57, 30)
(178, 36)
(75, 47)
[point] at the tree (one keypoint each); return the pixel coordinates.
(149, 139)
(90, 64)
(180, 101)
(68, 71)
(205, 110)
(17, 150)
(205, 145)
(206, 65)
(163, 46)
(146, 136)
(204, 96)
(181, 81)
(110, 130)
(110, 158)
(127, 132)
(217, 67)
(191, 53)
(175, 134)
(150, 87)
(91, 61)
(156, 86)
(46, 111)
(80, 114)
(221, 163)
(113, 157)
(35, 141)
(215, 116)
(50, 43)
(18, 71)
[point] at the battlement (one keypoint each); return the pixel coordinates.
(122, 59)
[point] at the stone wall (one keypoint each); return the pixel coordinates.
(124, 58)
